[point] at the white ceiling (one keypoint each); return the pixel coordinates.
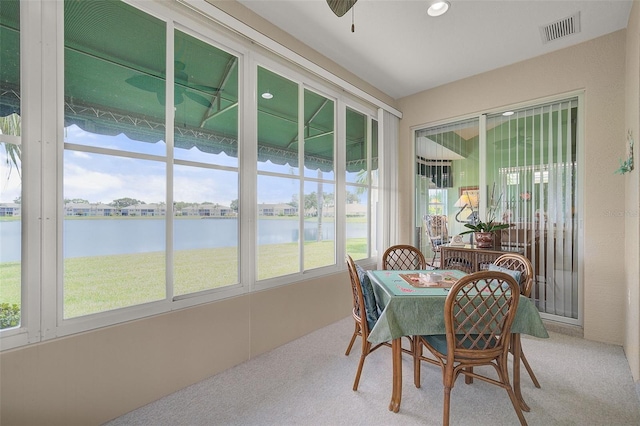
(397, 48)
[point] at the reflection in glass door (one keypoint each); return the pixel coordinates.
(528, 174)
(531, 162)
(447, 173)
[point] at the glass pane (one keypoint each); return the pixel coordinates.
(374, 153)
(10, 167)
(278, 145)
(115, 85)
(278, 226)
(114, 206)
(114, 223)
(206, 102)
(374, 188)
(532, 169)
(10, 233)
(356, 148)
(357, 222)
(9, 58)
(447, 181)
(205, 229)
(319, 225)
(319, 136)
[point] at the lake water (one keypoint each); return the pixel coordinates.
(98, 237)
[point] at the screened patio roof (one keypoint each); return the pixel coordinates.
(115, 83)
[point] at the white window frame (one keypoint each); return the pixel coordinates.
(42, 53)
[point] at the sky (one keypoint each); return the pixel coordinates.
(101, 178)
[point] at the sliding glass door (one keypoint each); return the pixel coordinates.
(524, 165)
(531, 163)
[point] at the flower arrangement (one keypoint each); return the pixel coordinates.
(490, 224)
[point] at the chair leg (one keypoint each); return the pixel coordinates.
(529, 370)
(468, 379)
(504, 378)
(446, 406)
(356, 333)
(365, 351)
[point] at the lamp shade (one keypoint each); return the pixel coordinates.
(468, 199)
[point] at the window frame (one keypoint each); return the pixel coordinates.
(42, 113)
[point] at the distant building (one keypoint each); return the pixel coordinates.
(87, 209)
(214, 210)
(281, 209)
(144, 210)
(10, 209)
(353, 209)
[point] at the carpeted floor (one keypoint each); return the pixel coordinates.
(308, 382)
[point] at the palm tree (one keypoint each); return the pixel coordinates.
(11, 125)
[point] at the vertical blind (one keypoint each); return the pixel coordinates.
(532, 169)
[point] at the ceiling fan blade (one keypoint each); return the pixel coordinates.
(198, 98)
(340, 7)
(147, 83)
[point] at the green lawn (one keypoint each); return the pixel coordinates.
(101, 283)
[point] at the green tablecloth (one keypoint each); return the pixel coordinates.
(410, 311)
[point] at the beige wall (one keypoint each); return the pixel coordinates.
(597, 67)
(632, 196)
(89, 378)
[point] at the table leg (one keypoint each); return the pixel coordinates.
(515, 341)
(396, 394)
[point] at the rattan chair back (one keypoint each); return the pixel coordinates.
(403, 257)
(479, 311)
(518, 262)
(358, 312)
(478, 314)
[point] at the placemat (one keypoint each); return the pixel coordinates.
(413, 279)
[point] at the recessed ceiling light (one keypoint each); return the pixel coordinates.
(438, 7)
(267, 95)
(508, 113)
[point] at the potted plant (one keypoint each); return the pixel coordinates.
(485, 231)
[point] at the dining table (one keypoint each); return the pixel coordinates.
(417, 310)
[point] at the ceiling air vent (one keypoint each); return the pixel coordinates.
(561, 28)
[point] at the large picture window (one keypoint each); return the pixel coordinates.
(179, 168)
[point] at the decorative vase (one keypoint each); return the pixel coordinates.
(484, 239)
(497, 240)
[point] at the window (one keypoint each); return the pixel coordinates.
(362, 171)
(205, 172)
(319, 181)
(115, 171)
(294, 209)
(170, 180)
(10, 168)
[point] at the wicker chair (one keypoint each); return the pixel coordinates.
(363, 319)
(518, 262)
(360, 317)
(479, 311)
(438, 234)
(403, 257)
